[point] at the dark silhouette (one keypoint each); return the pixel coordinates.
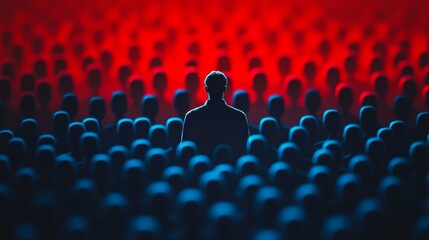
(181, 102)
(8, 70)
(408, 87)
(106, 59)
(276, 108)
(380, 85)
(258, 147)
(332, 123)
(97, 109)
(299, 136)
(310, 72)
(159, 81)
(136, 90)
(224, 63)
(134, 55)
(345, 99)
(293, 111)
(87, 62)
(124, 132)
(313, 101)
(255, 62)
(94, 79)
(192, 83)
(269, 128)
(216, 123)
(60, 126)
(124, 72)
(91, 125)
(402, 106)
(79, 49)
(368, 98)
(65, 83)
(313, 127)
(141, 127)
(44, 97)
(29, 130)
(405, 69)
(422, 122)
(174, 128)
(150, 107)
(40, 68)
(28, 82)
(325, 49)
(241, 101)
(332, 79)
(27, 105)
(351, 66)
(259, 106)
(284, 66)
(70, 104)
(158, 136)
(155, 62)
(118, 105)
(353, 140)
(424, 60)
(377, 64)
(60, 65)
(368, 121)
(191, 63)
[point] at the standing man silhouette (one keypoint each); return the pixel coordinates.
(216, 122)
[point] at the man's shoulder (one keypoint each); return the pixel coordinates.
(196, 111)
(236, 112)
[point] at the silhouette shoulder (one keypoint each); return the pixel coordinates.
(195, 111)
(237, 112)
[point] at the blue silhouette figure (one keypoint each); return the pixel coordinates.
(241, 101)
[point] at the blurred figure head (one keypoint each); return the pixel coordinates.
(402, 106)
(150, 107)
(70, 104)
(181, 102)
(313, 101)
(65, 84)
(276, 106)
(136, 88)
(294, 89)
(260, 82)
(97, 108)
(333, 77)
(119, 104)
(241, 100)
(344, 95)
(332, 123)
(27, 105)
(94, 79)
(44, 94)
(192, 81)
(159, 79)
(310, 71)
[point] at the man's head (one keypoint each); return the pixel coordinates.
(215, 84)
